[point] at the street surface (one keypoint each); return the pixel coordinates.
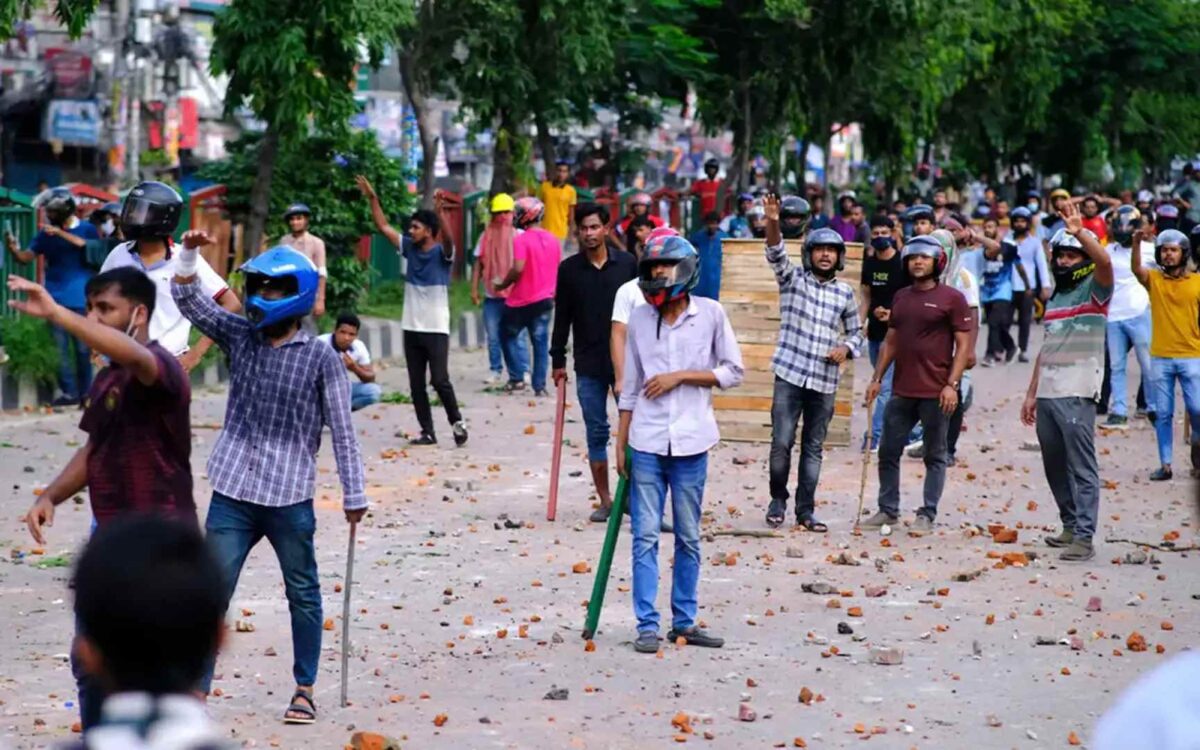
(467, 612)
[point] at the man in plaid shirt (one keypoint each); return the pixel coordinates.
(285, 386)
(819, 330)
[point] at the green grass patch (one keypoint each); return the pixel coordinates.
(386, 300)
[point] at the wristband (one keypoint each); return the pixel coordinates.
(185, 265)
(322, 271)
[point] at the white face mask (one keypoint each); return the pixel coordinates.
(1032, 206)
(107, 228)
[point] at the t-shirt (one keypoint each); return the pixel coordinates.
(1032, 255)
(998, 273)
(884, 278)
(167, 325)
(558, 202)
(709, 248)
(357, 351)
(1129, 298)
(963, 280)
(925, 323)
(629, 298)
(1073, 350)
(141, 440)
(707, 191)
(66, 272)
(311, 246)
(1190, 193)
(1175, 316)
(426, 288)
(541, 252)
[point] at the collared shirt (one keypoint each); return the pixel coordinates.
(167, 325)
(816, 316)
(680, 422)
(279, 399)
(583, 308)
(1033, 258)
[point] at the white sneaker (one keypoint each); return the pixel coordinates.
(494, 378)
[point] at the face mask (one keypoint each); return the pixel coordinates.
(108, 227)
(1032, 206)
(881, 243)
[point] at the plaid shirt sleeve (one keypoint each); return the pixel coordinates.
(853, 327)
(335, 404)
(781, 264)
(214, 321)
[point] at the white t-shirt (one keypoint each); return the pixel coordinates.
(629, 298)
(358, 350)
(1129, 299)
(964, 281)
(167, 325)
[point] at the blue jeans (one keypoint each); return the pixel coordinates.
(535, 319)
(649, 477)
(593, 402)
(790, 403)
(1166, 372)
(74, 368)
(233, 528)
(1123, 336)
(493, 313)
(363, 395)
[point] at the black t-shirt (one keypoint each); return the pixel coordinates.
(884, 278)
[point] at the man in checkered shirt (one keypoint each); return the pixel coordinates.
(285, 387)
(819, 330)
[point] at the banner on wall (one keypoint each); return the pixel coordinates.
(72, 122)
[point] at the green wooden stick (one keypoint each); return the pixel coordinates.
(606, 554)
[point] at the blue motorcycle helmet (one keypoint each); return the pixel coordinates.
(673, 249)
(281, 284)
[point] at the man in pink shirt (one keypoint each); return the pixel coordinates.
(530, 302)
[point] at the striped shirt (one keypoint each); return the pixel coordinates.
(816, 316)
(280, 397)
(1073, 350)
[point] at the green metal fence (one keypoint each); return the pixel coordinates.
(18, 217)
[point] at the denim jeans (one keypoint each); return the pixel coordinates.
(593, 402)
(788, 404)
(1166, 372)
(493, 314)
(363, 395)
(1123, 336)
(74, 367)
(649, 477)
(90, 692)
(954, 426)
(902, 414)
(885, 392)
(1066, 430)
(535, 319)
(233, 528)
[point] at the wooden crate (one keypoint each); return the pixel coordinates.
(751, 299)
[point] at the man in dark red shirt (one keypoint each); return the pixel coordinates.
(137, 457)
(934, 324)
(706, 190)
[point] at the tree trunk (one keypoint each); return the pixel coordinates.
(419, 100)
(545, 143)
(260, 193)
(502, 156)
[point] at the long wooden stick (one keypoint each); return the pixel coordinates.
(560, 409)
(346, 612)
(862, 487)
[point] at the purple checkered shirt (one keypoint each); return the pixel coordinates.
(816, 316)
(279, 400)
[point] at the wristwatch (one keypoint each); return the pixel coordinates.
(953, 384)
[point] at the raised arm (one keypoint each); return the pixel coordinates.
(335, 409)
(214, 321)
(377, 214)
(1103, 273)
(776, 250)
(1135, 259)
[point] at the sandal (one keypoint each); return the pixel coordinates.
(775, 513)
(811, 524)
(309, 712)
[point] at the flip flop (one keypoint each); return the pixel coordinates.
(812, 524)
(775, 513)
(296, 707)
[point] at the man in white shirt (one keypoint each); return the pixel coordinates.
(345, 341)
(1128, 318)
(958, 276)
(679, 347)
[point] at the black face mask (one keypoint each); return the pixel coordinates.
(881, 243)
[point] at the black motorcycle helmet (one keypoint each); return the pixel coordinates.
(1067, 278)
(1125, 220)
(793, 216)
(713, 166)
(825, 237)
(151, 211)
(59, 205)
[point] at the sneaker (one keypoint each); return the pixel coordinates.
(543, 393)
(460, 433)
(915, 445)
(917, 451)
(1064, 539)
(601, 514)
(423, 439)
(514, 386)
(695, 637)
(877, 520)
(921, 525)
(1162, 474)
(1141, 414)
(494, 378)
(1010, 356)
(665, 527)
(988, 361)
(1080, 550)
(646, 643)
(951, 461)
(1116, 422)
(1022, 357)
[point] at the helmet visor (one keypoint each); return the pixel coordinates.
(139, 210)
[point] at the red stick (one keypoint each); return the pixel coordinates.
(560, 410)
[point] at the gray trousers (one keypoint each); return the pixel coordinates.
(899, 417)
(1066, 431)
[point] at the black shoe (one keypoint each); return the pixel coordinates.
(601, 514)
(646, 643)
(1162, 474)
(460, 433)
(65, 401)
(1009, 356)
(423, 439)
(514, 386)
(1152, 416)
(695, 637)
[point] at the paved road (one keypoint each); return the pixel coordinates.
(431, 559)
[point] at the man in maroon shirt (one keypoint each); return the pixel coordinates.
(934, 324)
(137, 456)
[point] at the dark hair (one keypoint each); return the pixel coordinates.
(562, 163)
(149, 595)
(348, 319)
(131, 284)
(426, 217)
(711, 216)
(882, 221)
(638, 222)
(584, 210)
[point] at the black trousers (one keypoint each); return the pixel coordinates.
(999, 318)
(1023, 312)
(430, 351)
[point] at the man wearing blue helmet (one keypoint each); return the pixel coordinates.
(679, 347)
(285, 388)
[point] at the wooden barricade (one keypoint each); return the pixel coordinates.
(750, 297)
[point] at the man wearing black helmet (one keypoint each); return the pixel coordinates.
(920, 219)
(67, 273)
(793, 217)
(706, 190)
(1065, 385)
(1175, 340)
(819, 330)
(1128, 319)
(298, 217)
(1032, 257)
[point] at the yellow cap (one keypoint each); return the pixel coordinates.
(1059, 193)
(502, 202)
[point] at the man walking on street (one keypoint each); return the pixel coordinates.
(1065, 385)
(679, 348)
(929, 339)
(1034, 278)
(310, 246)
(286, 387)
(426, 316)
(819, 330)
(882, 276)
(530, 285)
(1128, 319)
(584, 293)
